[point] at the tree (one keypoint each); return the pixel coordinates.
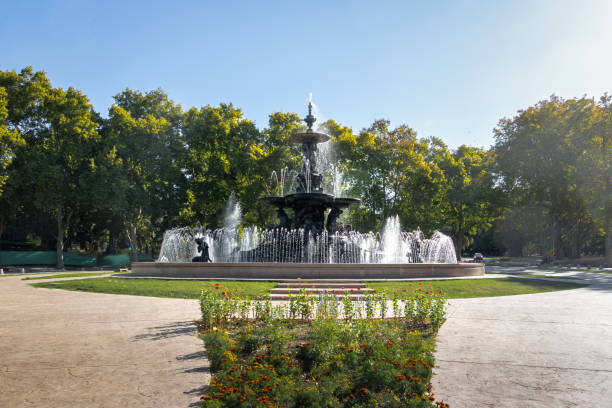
(10, 139)
(538, 151)
(143, 137)
(470, 204)
(59, 132)
(595, 167)
(388, 169)
(226, 154)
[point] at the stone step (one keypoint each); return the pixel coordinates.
(321, 285)
(316, 291)
(323, 281)
(285, 297)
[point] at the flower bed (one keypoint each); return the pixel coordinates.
(321, 352)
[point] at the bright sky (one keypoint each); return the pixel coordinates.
(450, 69)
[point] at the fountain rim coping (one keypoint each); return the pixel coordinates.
(305, 265)
(306, 271)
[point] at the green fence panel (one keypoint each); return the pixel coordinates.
(80, 259)
(27, 257)
(114, 260)
(70, 258)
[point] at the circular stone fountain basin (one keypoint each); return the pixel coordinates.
(275, 271)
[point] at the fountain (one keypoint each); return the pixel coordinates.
(309, 240)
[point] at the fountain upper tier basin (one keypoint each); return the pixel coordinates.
(309, 137)
(276, 271)
(316, 199)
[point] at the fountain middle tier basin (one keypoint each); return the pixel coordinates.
(276, 271)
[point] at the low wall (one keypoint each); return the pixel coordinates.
(274, 271)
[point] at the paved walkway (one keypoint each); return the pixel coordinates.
(72, 349)
(542, 350)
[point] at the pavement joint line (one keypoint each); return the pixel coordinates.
(104, 321)
(531, 321)
(507, 363)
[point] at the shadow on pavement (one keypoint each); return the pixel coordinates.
(170, 330)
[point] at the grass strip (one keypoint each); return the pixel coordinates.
(68, 275)
(570, 269)
(473, 288)
(536, 275)
(183, 289)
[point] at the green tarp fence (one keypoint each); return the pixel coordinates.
(72, 259)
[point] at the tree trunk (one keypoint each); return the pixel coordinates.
(2, 224)
(556, 240)
(60, 238)
(133, 242)
(459, 240)
(608, 244)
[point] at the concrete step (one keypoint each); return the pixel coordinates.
(285, 297)
(322, 285)
(313, 281)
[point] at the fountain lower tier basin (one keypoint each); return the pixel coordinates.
(311, 199)
(274, 271)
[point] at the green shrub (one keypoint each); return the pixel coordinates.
(309, 354)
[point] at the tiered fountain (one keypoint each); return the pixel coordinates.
(309, 242)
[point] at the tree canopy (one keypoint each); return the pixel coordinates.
(70, 177)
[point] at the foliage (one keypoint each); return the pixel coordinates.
(69, 177)
(9, 140)
(553, 162)
(312, 358)
(59, 150)
(144, 140)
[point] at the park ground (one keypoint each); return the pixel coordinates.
(75, 349)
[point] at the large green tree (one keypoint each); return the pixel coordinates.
(595, 168)
(226, 154)
(60, 136)
(143, 136)
(471, 200)
(390, 171)
(538, 151)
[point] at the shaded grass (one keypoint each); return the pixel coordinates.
(182, 289)
(536, 275)
(68, 275)
(559, 269)
(473, 288)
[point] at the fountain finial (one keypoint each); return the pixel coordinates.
(310, 120)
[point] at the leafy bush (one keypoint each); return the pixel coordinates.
(323, 352)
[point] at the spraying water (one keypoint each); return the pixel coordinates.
(251, 244)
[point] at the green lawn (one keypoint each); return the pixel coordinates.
(557, 269)
(536, 275)
(68, 275)
(183, 289)
(472, 288)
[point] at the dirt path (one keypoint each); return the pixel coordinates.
(71, 349)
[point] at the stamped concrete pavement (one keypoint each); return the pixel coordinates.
(542, 350)
(72, 349)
